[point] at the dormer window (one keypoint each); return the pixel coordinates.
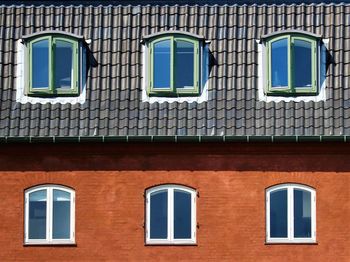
(174, 64)
(53, 64)
(292, 63)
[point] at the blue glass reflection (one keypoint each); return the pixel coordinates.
(278, 213)
(40, 64)
(302, 63)
(63, 64)
(279, 63)
(302, 213)
(161, 64)
(184, 60)
(61, 214)
(182, 214)
(37, 215)
(159, 215)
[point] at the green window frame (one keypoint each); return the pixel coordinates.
(51, 90)
(291, 89)
(172, 91)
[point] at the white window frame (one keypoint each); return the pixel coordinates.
(170, 240)
(290, 216)
(49, 216)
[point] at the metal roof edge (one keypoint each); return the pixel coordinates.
(174, 139)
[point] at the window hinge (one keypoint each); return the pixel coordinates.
(147, 200)
(73, 199)
(73, 234)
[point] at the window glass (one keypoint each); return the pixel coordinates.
(302, 213)
(159, 214)
(63, 64)
(61, 214)
(279, 63)
(182, 214)
(184, 61)
(40, 64)
(37, 214)
(162, 64)
(302, 55)
(278, 213)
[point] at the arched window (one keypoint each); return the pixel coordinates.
(173, 64)
(290, 214)
(53, 65)
(292, 63)
(49, 215)
(170, 215)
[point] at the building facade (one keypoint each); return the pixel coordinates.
(189, 131)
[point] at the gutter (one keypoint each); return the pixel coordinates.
(174, 139)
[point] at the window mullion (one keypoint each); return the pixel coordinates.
(171, 214)
(48, 214)
(290, 64)
(51, 64)
(291, 214)
(172, 65)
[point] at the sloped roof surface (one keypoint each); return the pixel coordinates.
(114, 106)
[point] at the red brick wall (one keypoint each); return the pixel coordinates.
(110, 179)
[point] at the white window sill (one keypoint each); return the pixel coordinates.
(293, 241)
(50, 243)
(171, 243)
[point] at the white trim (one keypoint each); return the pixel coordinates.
(321, 72)
(49, 211)
(21, 76)
(170, 239)
(290, 217)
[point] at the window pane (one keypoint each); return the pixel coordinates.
(302, 213)
(184, 59)
(159, 215)
(63, 64)
(302, 63)
(40, 64)
(278, 213)
(37, 215)
(279, 63)
(161, 64)
(61, 214)
(182, 214)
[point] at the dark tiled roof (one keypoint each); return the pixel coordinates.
(114, 106)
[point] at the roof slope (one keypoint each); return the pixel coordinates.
(114, 106)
